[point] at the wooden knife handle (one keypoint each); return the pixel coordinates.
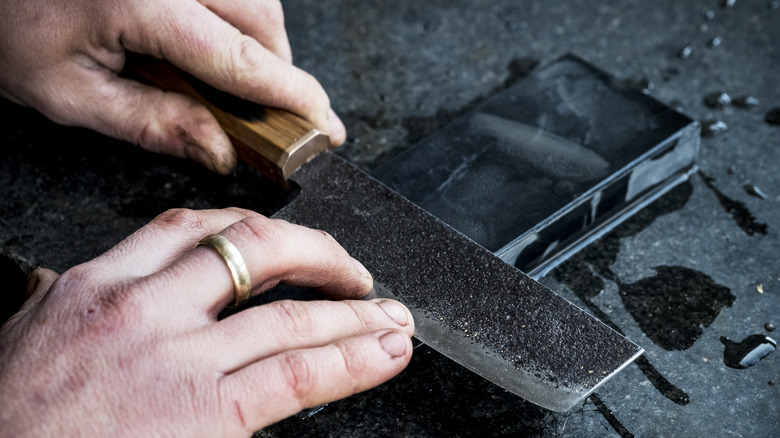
(274, 141)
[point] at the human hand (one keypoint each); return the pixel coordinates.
(128, 344)
(63, 58)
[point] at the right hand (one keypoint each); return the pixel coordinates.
(63, 59)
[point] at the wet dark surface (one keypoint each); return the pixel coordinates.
(675, 306)
(396, 72)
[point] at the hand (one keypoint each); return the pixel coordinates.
(128, 344)
(63, 58)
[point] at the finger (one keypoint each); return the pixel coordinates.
(201, 43)
(170, 123)
(38, 284)
(165, 239)
(275, 388)
(274, 251)
(263, 20)
(270, 329)
(157, 244)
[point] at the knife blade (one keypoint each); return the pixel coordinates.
(468, 304)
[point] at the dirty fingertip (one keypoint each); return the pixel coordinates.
(225, 163)
(199, 154)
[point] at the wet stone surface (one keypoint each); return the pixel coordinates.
(398, 72)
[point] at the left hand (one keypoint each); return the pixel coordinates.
(128, 344)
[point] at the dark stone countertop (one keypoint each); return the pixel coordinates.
(398, 71)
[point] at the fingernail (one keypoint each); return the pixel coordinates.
(362, 269)
(338, 133)
(32, 284)
(393, 343)
(395, 311)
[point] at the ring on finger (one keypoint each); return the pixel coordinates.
(242, 282)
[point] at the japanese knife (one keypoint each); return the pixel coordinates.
(467, 303)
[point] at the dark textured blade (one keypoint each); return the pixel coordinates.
(468, 304)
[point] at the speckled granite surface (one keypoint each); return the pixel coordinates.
(685, 277)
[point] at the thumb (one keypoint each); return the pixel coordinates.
(38, 284)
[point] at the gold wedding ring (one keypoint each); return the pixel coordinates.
(235, 263)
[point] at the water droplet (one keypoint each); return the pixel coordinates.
(717, 100)
(725, 4)
(713, 128)
(685, 52)
(715, 41)
(745, 102)
(774, 5)
(708, 14)
(773, 117)
(755, 191)
(748, 352)
(769, 327)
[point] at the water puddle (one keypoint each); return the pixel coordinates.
(675, 306)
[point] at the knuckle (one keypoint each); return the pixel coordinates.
(354, 360)
(259, 230)
(244, 60)
(111, 310)
(179, 219)
(293, 317)
(71, 279)
(299, 375)
(364, 319)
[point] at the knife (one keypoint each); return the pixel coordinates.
(467, 303)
